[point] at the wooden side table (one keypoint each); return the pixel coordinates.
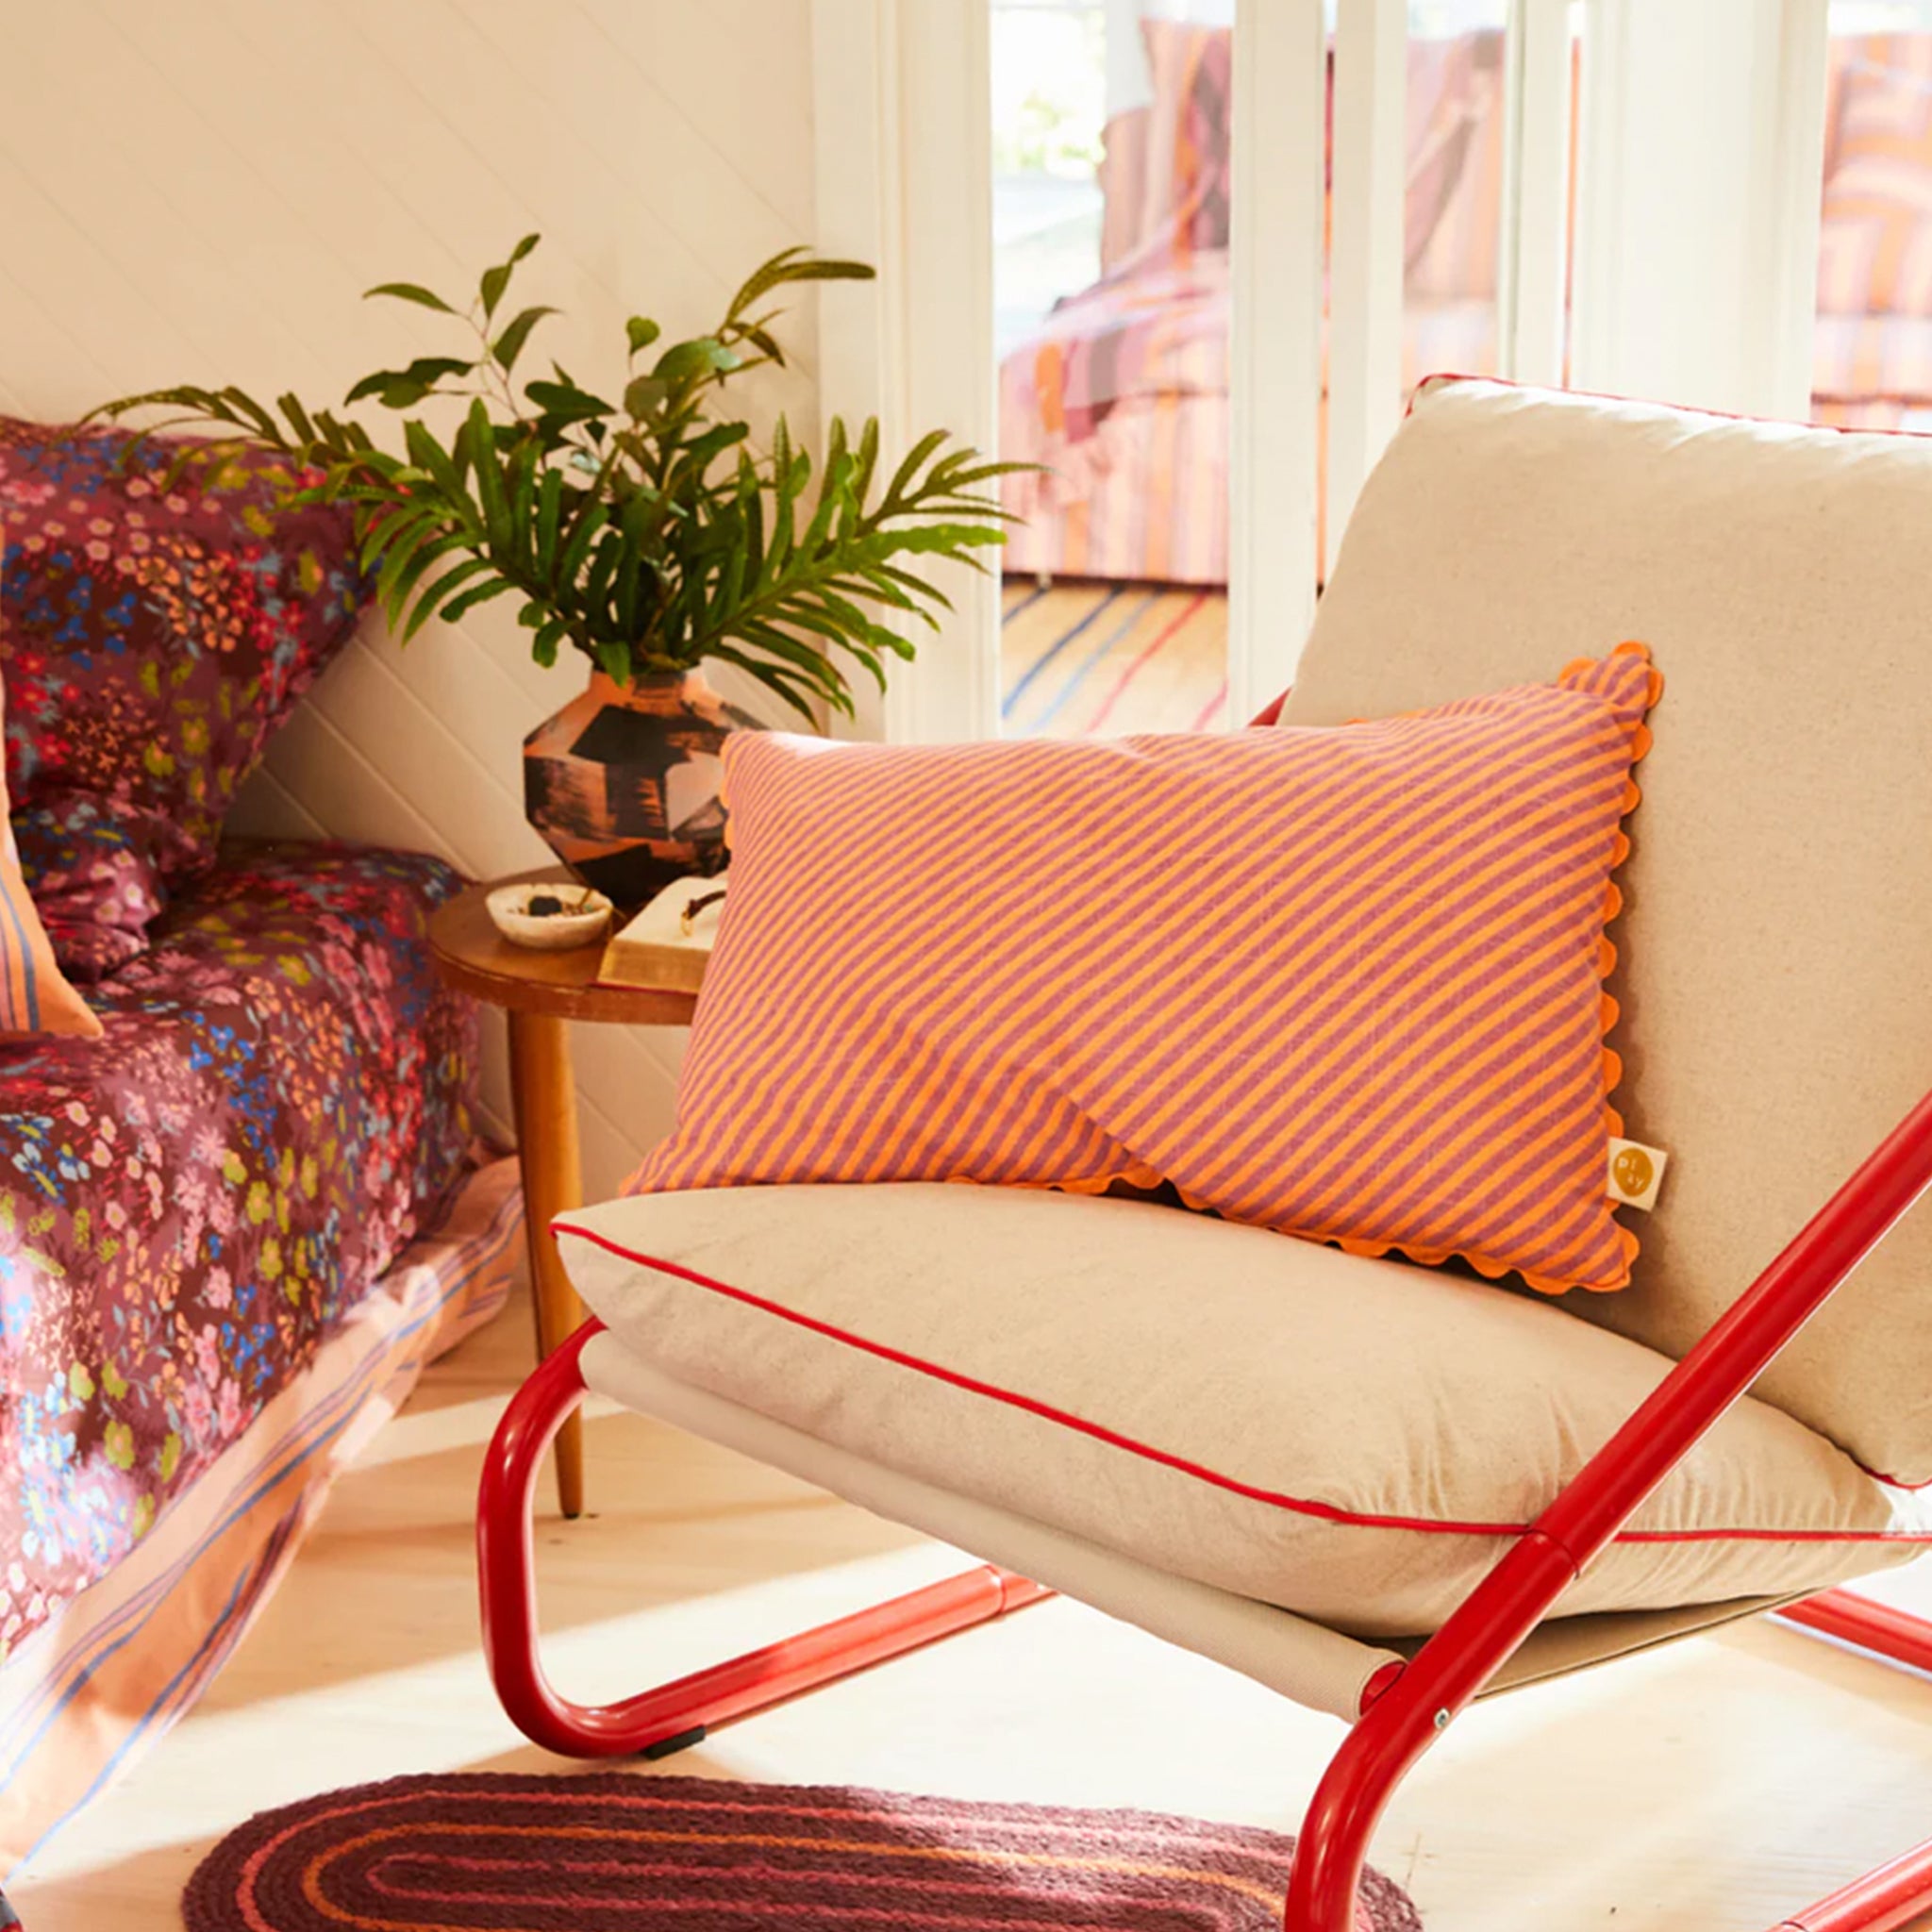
(539, 991)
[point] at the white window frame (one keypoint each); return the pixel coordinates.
(901, 97)
(1701, 154)
(901, 144)
(1534, 296)
(1700, 177)
(1365, 248)
(1275, 218)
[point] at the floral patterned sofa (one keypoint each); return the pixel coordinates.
(233, 1228)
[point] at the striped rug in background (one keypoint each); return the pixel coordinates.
(1101, 659)
(616, 1851)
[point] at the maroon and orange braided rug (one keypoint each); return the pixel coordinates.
(615, 1853)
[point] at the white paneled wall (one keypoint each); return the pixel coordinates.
(199, 192)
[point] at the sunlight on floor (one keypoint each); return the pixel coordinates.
(433, 1431)
(1708, 1786)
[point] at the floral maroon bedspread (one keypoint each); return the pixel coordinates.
(189, 1205)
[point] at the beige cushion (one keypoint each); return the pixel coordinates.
(1308, 1662)
(1353, 1440)
(1776, 1017)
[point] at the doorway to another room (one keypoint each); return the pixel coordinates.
(1113, 298)
(1111, 310)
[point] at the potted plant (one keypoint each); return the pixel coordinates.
(650, 534)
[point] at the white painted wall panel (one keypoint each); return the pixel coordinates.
(199, 192)
(1698, 202)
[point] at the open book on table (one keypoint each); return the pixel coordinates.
(669, 942)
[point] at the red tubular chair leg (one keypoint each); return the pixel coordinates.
(658, 1721)
(1405, 1720)
(1485, 1630)
(1897, 1894)
(1405, 1712)
(1412, 1707)
(1853, 1619)
(1887, 1900)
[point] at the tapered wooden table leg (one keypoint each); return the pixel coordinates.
(545, 1099)
(541, 992)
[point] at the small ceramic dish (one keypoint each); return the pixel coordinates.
(549, 916)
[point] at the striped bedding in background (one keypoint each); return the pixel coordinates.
(103, 1681)
(1124, 397)
(1103, 659)
(1122, 390)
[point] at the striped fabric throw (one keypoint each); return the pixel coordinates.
(1344, 983)
(1875, 250)
(90, 1693)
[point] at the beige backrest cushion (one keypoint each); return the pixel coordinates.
(1775, 971)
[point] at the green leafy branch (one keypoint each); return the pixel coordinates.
(646, 533)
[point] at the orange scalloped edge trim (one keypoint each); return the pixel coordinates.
(1139, 1174)
(1641, 741)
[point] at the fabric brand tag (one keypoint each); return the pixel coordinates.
(1636, 1173)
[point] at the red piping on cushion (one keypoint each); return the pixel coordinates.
(1442, 379)
(1300, 1506)
(1878, 1475)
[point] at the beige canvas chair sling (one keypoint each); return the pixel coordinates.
(1379, 1489)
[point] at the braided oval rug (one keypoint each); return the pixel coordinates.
(610, 1852)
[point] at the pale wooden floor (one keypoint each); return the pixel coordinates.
(1712, 1787)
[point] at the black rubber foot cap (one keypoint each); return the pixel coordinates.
(664, 1747)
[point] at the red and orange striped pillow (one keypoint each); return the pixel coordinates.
(1185, 198)
(1875, 252)
(1346, 983)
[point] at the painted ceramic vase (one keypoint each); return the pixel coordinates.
(623, 782)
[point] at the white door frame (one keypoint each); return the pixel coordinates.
(1701, 155)
(1365, 247)
(901, 142)
(1275, 217)
(1533, 300)
(902, 104)
(1700, 183)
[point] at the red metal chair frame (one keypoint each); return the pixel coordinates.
(1406, 1707)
